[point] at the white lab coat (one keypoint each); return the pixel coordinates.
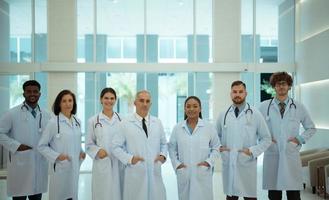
(282, 169)
(27, 170)
(194, 182)
(106, 172)
(143, 181)
(248, 130)
(64, 175)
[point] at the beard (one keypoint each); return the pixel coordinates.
(238, 100)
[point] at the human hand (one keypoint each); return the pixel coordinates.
(63, 157)
(82, 155)
(204, 163)
(160, 158)
(23, 147)
(293, 140)
(223, 148)
(182, 165)
(136, 159)
(101, 154)
(246, 151)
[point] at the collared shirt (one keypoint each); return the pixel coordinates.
(29, 108)
(241, 107)
(147, 119)
(277, 101)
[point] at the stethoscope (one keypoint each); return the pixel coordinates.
(24, 106)
(292, 104)
(58, 126)
(98, 123)
(246, 113)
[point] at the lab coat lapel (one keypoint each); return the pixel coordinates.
(138, 124)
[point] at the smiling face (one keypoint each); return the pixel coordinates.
(238, 94)
(108, 101)
(32, 95)
(143, 103)
(66, 105)
(192, 109)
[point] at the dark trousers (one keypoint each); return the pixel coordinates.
(236, 198)
(31, 197)
(277, 195)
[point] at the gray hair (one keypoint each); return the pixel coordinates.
(142, 91)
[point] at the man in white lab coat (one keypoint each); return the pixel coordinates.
(140, 144)
(244, 136)
(20, 130)
(282, 169)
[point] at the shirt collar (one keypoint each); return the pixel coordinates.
(241, 106)
(277, 101)
(29, 108)
(139, 118)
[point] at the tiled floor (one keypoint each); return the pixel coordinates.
(169, 180)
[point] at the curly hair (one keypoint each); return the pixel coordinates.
(280, 76)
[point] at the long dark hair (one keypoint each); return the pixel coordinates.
(199, 102)
(57, 103)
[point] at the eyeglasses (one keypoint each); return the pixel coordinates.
(281, 83)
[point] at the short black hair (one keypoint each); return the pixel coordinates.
(110, 90)
(238, 82)
(31, 83)
(195, 98)
(280, 76)
(57, 103)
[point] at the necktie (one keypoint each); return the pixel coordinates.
(144, 127)
(282, 108)
(34, 113)
(236, 112)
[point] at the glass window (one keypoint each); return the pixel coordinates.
(176, 22)
(85, 31)
(267, 18)
(11, 91)
(203, 18)
(20, 26)
(120, 22)
(114, 48)
(40, 38)
(247, 40)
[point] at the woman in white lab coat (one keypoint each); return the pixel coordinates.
(61, 145)
(106, 182)
(193, 148)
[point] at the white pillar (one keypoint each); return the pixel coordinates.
(226, 49)
(62, 39)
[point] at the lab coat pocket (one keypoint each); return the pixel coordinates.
(138, 170)
(203, 172)
(23, 157)
(292, 148)
(63, 166)
(102, 165)
(244, 159)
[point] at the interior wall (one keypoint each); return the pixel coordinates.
(312, 47)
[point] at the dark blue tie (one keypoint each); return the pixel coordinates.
(34, 113)
(236, 112)
(144, 127)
